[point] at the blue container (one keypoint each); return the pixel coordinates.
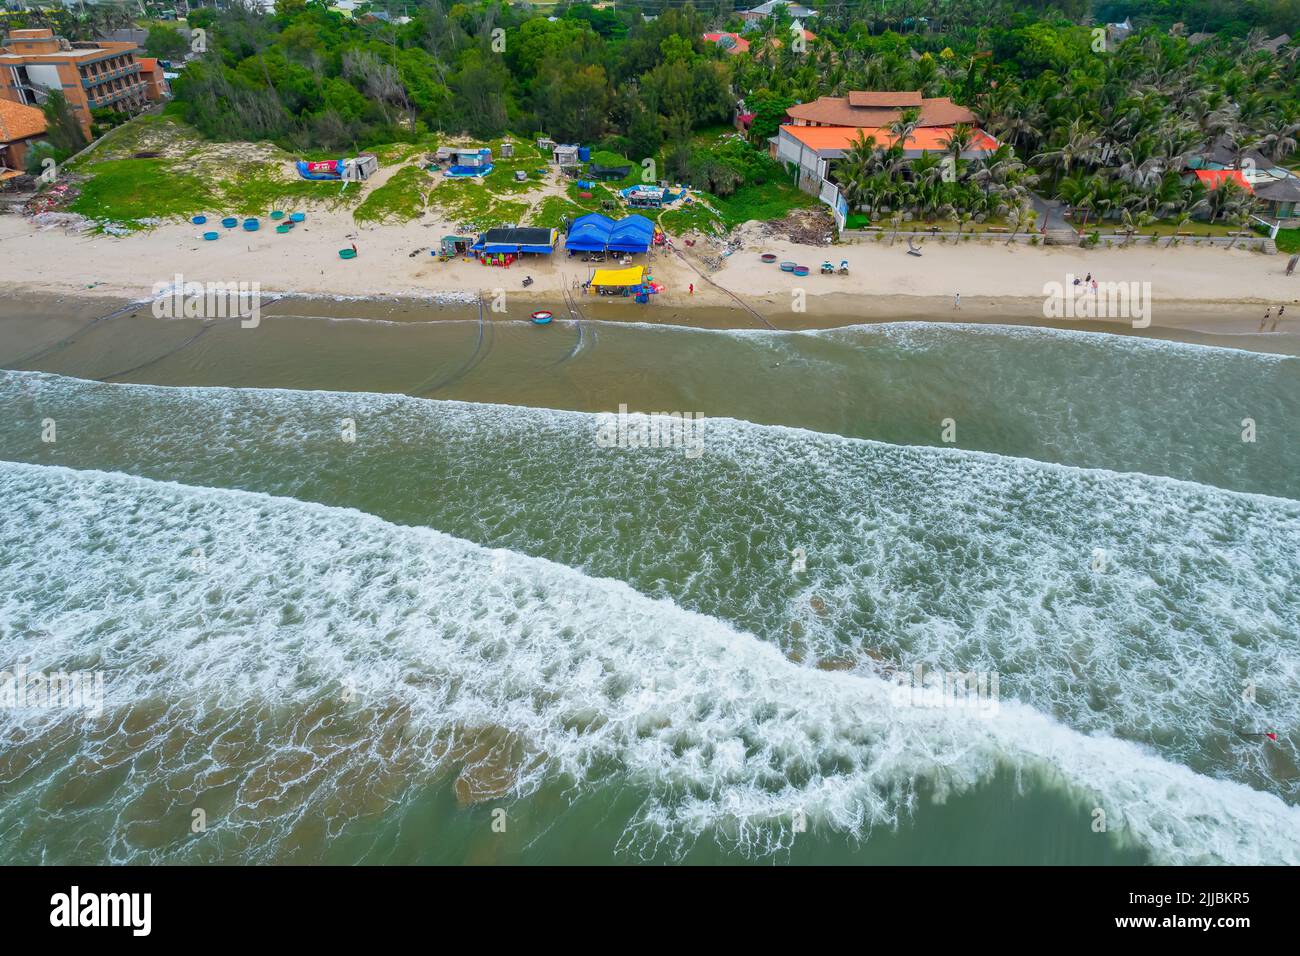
(210, 235)
(230, 222)
(251, 225)
(199, 220)
(584, 154)
(297, 216)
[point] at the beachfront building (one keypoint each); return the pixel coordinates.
(1275, 188)
(20, 127)
(824, 130)
(101, 74)
(761, 12)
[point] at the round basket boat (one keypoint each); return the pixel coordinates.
(768, 257)
(787, 267)
(277, 214)
(347, 253)
(541, 317)
(199, 220)
(211, 235)
(230, 222)
(801, 270)
(297, 216)
(283, 227)
(251, 225)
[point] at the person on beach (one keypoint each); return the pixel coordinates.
(354, 248)
(692, 289)
(1268, 314)
(956, 302)
(1281, 310)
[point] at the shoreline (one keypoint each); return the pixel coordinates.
(1222, 325)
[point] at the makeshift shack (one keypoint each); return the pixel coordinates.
(518, 240)
(470, 162)
(354, 170)
(565, 155)
(456, 245)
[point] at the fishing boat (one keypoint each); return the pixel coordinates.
(541, 317)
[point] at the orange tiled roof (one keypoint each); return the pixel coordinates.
(1213, 178)
(842, 110)
(843, 137)
(18, 121)
(885, 99)
(147, 63)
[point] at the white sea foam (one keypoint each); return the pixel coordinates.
(954, 559)
(297, 601)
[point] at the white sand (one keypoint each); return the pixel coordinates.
(306, 261)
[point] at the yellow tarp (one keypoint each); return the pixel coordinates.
(618, 277)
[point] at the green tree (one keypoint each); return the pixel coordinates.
(165, 42)
(63, 131)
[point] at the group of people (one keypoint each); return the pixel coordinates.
(1268, 314)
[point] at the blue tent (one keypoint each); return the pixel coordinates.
(589, 233)
(596, 233)
(632, 234)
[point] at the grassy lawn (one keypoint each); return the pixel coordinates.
(1288, 240)
(401, 199)
(128, 190)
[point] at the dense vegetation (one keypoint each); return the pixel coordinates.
(1105, 129)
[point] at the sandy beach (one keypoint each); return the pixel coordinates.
(1196, 292)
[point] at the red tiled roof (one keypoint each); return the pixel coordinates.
(741, 45)
(1213, 178)
(18, 121)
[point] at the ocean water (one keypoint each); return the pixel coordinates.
(367, 626)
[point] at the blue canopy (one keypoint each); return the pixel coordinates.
(596, 233)
(632, 234)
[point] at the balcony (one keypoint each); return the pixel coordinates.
(88, 81)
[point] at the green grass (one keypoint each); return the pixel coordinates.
(475, 203)
(126, 191)
(554, 210)
(401, 199)
(763, 203)
(258, 188)
(1288, 240)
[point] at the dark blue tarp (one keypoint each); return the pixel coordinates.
(520, 239)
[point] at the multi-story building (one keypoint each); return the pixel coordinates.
(95, 75)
